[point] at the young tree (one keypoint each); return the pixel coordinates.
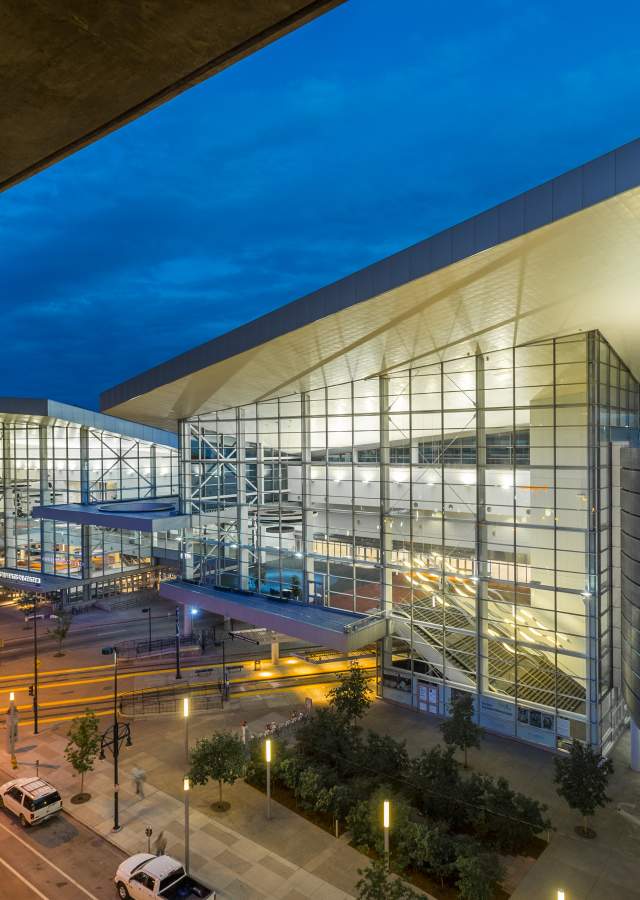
(460, 730)
(377, 884)
(440, 852)
(60, 632)
(218, 758)
(582, 777)
(478, 874)
(350, 698)
(82, 749)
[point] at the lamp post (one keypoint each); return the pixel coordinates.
(114, 736)
(178, 675)
(12, 729)
(186, 785)
(560, 895)
(385, 826)
(147, 609)
(267, 756)
(185, 716)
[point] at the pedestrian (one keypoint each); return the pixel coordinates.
(139, 776)
(160, 844)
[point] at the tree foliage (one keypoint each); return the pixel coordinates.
(351, 696)
(377, 884)
(83, 744)
(218, 758)
(478, 873)
(61, 630)
(582, 778)
(460, 730)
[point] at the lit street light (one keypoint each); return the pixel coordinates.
(267, 756)
(185, 716)
(385, 825)
(186, 785)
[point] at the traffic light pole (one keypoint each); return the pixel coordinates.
(35, 664)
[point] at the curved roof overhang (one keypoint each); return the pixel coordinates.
(559, 259)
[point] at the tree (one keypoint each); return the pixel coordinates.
(460, 730)
(440, 852)
(350, 698)
(478, 873)
(82, 749)
(377, 884)
(60, 631)
(582, 777)
(218, 758)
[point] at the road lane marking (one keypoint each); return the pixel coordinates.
(31, 887)
(48, 862)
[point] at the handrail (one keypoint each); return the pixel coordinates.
(367, 619)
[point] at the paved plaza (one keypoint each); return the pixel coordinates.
(243, 855)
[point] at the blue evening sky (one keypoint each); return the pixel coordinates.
(369, 129)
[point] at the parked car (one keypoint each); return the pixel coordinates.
(32, 800)
(144, 876)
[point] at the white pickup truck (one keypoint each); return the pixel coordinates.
(144, 877)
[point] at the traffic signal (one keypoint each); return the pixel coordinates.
(31, 690)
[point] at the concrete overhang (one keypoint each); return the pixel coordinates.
(41, 411)
(561, 258)
(335, 628)
(148, 516)
(71, 72)
(34, 582)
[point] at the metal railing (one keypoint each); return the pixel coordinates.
(364, 621)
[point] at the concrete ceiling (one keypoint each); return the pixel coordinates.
(73, 71)
(573, 265)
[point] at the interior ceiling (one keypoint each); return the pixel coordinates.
(73, 71)
(579, 273)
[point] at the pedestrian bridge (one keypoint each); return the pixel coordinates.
(335, 628)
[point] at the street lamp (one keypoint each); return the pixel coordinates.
(35, 663)
(185, 716)
(147, 609)
(385, 826)
(186, 785)
(267, 756)
(178, 675)
(12, 729)
(114, 736)
(560, 895)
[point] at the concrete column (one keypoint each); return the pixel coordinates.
(9, 486)
(187, 621)
(275, 649)
(84, 465)
(635, 746)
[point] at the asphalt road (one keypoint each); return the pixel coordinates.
(58, 860)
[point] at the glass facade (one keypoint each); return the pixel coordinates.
(46, 463)
(471, 499)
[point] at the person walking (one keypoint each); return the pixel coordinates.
(139, 776)
(160, 844)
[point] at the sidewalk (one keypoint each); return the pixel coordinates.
(239, 853)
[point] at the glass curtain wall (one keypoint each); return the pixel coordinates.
(463, 497)
(67, 463)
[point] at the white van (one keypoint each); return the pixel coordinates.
(32, 800)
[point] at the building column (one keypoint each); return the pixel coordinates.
(46, 525)
(386, 520)
(242, 510)
(153, 474)
(275, 649)
(309, 578)
(187, 621)
(482, 560)
(9, 487)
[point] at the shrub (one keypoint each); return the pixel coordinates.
(478, 873)
(434, 783)
(377, 884)
(507, 818)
